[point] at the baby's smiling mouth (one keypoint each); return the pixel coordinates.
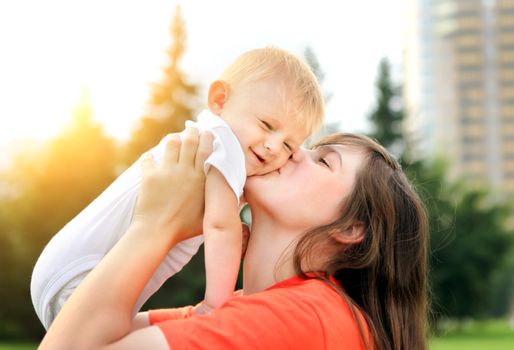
(259, 157)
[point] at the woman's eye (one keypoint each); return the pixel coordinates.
(324, 162)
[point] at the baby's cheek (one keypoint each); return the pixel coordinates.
(281, 161)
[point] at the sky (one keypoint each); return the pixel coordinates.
(52, 50)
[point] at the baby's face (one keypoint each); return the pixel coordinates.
(257, 113)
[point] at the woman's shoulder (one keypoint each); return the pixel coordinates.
(312, 304)
(293, 314)
(307, 297)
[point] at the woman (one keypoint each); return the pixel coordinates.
(337, 258)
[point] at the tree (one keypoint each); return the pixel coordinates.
(469, 243)
(169, 105)
(470, 247)
(313, 62)
(47, 189)
(171, 99)
(387, 116)
(464, 270)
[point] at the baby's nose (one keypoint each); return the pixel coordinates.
(270, 146)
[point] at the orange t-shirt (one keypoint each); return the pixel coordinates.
(292, 314)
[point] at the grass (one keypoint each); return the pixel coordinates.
(17, 346)
(474, 335)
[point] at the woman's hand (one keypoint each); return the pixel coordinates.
(171, 198)
(169, 210)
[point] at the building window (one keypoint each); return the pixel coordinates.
(509, 175)
(469, 157)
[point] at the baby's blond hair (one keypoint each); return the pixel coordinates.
(304, 98)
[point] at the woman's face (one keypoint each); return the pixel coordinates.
(309, 189)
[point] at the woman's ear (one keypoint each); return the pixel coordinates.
(353, 234)
(218, 95)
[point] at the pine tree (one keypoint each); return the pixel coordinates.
(469, 242)
(171, 99)
(387, 116)
(313, 62)
(169, 105)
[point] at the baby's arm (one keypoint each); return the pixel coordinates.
(223, 239)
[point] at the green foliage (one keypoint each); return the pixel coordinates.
(313, 62)
(387, 116)
(331, 127)
(168, 108)
(471, 274)
(470, 246)
(479, 249)
(185, 288)
(171, 99)
(46, 189)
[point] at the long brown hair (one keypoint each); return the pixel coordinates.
(384, 275)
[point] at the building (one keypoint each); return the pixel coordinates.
(459, 87)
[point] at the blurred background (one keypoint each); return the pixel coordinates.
(87, 86)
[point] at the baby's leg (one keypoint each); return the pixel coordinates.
(79, 246)
(176, 259)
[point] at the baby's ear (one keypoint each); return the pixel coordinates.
(218, 95)
(352, 235)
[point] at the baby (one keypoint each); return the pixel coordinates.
(260, 111)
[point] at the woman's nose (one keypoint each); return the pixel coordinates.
(299, 155)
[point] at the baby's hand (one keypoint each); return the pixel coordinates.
(202, 308)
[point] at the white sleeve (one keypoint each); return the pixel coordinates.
(227, 155)
(80, 245)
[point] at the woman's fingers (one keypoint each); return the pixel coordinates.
(147, 162)
(204, 150)
(189, 146)
(171, 154)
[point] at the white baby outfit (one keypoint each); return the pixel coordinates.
(80, 245)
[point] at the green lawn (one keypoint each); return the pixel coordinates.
(17, 346)
(492, 335)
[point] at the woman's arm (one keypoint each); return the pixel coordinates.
(169, 210)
